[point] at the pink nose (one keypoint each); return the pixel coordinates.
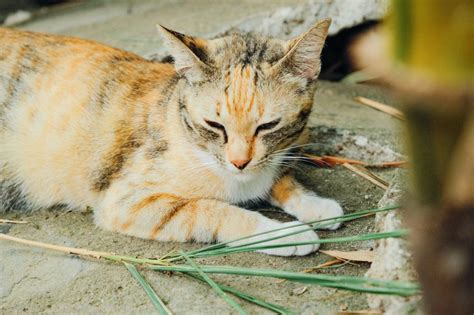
(240, 164)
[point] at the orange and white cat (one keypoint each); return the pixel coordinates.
(158, 150)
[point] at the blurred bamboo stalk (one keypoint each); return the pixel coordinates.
(433, 39)
(426, 53)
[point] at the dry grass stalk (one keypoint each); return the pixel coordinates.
(326, 264)
(13, 221)
(381, 107)
(364, 173)
(389, 164)
(357, 255)
(330, 161)
(64, 249)
(323, 265)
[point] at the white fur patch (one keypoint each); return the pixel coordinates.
(309, 207)
(268, 225)
(243, 186)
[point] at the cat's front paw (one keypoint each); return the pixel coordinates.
(308, 208)
(298, 250)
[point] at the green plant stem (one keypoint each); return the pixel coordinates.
(214, 285)
(249, 248)
(359, 284)
(154, 298)
(249, 298)
(316, 224)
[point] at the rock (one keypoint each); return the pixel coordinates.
(291, 21)
(393, 260)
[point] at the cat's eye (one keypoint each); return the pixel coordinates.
(216, 125)
(267, 126)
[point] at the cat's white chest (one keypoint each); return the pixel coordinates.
(236, 190)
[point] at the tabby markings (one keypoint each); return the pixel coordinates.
(241, 89)
(125, 144)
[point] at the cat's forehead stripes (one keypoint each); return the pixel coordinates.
(241, 89)
(247, 49)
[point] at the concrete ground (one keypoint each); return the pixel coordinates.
(33, 280)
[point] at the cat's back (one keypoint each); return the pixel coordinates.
(23, 52)
(61, 101)
(41, 61)
(50, 72)
(18, 45)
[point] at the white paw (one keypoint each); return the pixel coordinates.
(309, 208)
(300, 250)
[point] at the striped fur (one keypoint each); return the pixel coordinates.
(159, 150)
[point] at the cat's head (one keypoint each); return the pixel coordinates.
(246, 98)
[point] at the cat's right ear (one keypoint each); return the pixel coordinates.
(302, 62)
(190, 53)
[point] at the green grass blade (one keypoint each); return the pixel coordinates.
(214, 285)
(154, 298)
(276, 308)
(316, 224)
(360, 284)
(249, 298)
(251, 246)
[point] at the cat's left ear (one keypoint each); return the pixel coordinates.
(303, 59)
(190, 53)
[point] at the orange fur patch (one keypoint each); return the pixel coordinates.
(137, 208)
(283, 189)
(168, 217)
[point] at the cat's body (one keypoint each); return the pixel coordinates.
(82, 124)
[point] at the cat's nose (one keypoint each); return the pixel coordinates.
(240, 164)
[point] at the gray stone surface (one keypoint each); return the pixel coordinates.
(393, 260)
(33, 280)
(290, 21)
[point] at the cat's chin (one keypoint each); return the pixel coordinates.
(243, 176)
(227, 171)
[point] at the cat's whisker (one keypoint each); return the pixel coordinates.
(286, 157)
(297, 146)
(289, 165)
(300, 158)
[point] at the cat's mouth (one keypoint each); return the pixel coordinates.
(239, 174)
(223, 168)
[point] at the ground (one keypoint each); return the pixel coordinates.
(34, 280)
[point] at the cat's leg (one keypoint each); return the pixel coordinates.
(168, 217)
(302, 203)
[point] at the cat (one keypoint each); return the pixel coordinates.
(161, 151)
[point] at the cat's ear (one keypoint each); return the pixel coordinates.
(303, 59)
(190, 54)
